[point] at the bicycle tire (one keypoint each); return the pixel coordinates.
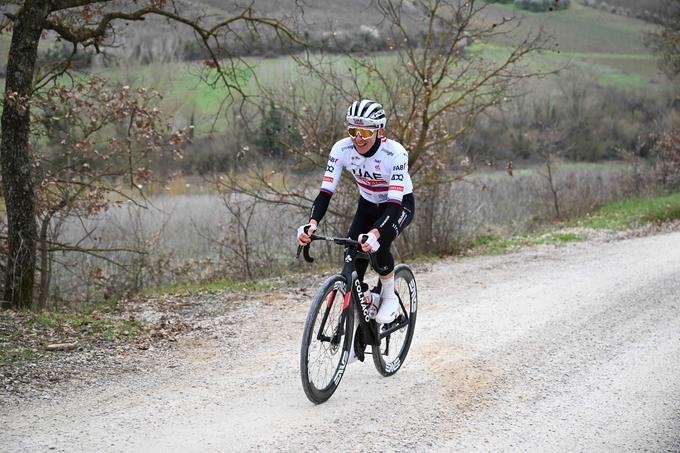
(404, 285)
(326, 355)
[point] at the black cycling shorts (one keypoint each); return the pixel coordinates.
(367, 214)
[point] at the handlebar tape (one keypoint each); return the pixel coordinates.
(305, 251)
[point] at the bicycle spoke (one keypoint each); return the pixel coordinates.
(396, 336)
(323, 355)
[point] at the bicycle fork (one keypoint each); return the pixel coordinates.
(339, 329)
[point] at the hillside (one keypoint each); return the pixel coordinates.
(606, 47)
(581, 28)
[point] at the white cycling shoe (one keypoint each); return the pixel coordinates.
(389, 309)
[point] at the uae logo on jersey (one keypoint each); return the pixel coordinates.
(377, 167)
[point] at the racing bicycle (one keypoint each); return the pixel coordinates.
(339, 303)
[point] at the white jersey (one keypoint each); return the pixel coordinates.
(381, 178)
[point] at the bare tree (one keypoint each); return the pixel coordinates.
(550, 143)
(83, 23)
(97, 136)
(434, 85)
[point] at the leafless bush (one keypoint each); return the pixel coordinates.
(638, 179)
(450, 216)
(667, 160)
(181, 239)
(241, 250)
(203, 237)
(600, 121)
(584, 190)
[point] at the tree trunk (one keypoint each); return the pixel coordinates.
(15, 159)
(44, 265)
(553, 190)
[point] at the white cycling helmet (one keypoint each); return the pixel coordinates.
(366, 113)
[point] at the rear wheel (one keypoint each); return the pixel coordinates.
(326, 341)
(397, 335)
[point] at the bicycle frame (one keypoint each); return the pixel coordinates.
(354, 294)
(367, 325)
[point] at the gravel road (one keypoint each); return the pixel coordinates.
(567, 348)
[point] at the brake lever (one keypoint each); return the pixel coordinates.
(305, 249)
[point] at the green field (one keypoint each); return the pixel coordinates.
(612, 45)
(606, 47)
(582, 29)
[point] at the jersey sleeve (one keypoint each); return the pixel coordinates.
(320, 206)
(398, 177)
(333, 171)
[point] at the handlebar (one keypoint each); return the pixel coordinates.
(347, 242)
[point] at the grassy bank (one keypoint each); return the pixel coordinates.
(634, 213)
(616, 216)
(24, 334)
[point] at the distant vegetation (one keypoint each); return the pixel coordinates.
(649, 10)
(538, 6)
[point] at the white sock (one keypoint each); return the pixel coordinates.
(387, 286)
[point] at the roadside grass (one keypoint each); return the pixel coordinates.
(490, 244)
(15, 352)
(216, 285)
(25, 334)
(236, 286)
(621, 215)
(94, 323)
(633, 213)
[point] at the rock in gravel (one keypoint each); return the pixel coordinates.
(62, 346)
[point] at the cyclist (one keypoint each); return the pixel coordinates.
(386, 205)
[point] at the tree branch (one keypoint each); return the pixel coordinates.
(58, 5)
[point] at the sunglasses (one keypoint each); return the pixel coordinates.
(363, 133)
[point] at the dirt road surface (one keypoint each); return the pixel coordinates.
(569, 348)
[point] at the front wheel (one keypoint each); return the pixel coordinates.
(326, 340)
(396, 336)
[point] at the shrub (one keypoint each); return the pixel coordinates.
(667, 160)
